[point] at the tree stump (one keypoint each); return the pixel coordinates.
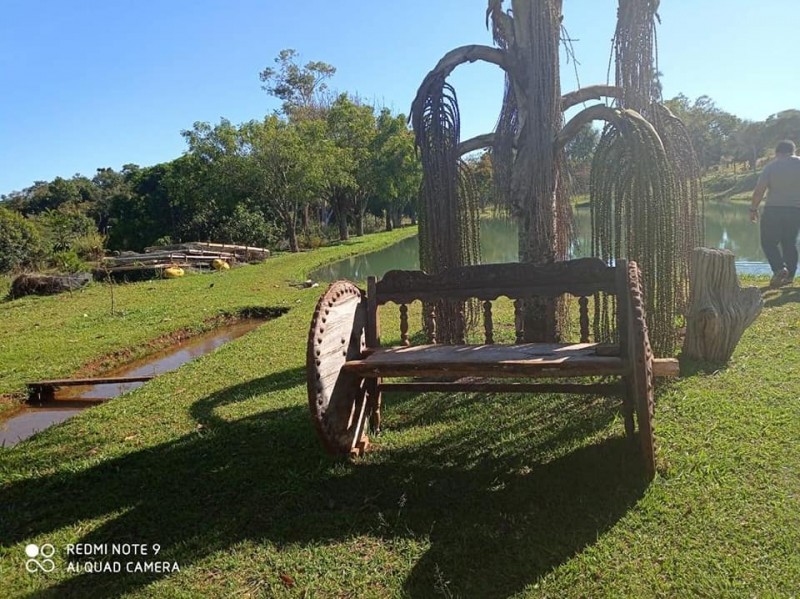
(719, 309)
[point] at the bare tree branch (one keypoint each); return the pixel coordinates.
(598, 112)
(476, 143)
(593, 92)
(459, 56)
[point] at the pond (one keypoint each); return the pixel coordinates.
(726, 227)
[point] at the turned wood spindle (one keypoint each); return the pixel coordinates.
(431, 320)
(583, 305)
(461, 325)
(488, 325)
(404, 325)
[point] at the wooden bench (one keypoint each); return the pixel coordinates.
(348, 367)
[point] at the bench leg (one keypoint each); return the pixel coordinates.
(629, 406)
(374, 402)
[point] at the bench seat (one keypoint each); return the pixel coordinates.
(520, 360)
(348, 369)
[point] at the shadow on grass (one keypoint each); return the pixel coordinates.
(497, 512)
(780, 297)
(692, 367)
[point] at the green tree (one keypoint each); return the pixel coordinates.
(750, 143)
(301, 88)
(287, 167)
(579, 153)
(353, 129)
(397, 169)
(20, 242)
(783, 125)
(62, 227)
(712, 130)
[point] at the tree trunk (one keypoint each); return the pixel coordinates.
(534, 184)
(719, 310)
(339, 204)
(291, 233)
(389, 225)
(359, 223)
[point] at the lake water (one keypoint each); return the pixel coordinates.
(727, 227)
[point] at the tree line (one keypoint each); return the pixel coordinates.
(319, 166)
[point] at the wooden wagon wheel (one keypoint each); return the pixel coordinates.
(337, 400)
(640, 384)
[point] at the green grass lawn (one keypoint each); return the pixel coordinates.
(47, 337)
(467, 495)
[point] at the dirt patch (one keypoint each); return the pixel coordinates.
(10, 402)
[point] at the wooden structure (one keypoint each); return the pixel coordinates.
(348, 368)
(242, 253)
(44, 391)
(719, 310)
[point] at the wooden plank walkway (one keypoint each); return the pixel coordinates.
(39, 391)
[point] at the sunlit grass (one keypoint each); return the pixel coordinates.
(468, 495)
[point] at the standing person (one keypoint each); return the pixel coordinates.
(780, 220)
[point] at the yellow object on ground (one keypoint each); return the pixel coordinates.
(173, 272)
(219, 264)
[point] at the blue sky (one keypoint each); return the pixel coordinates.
(96, 83)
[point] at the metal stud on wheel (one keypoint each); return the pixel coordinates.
(337, 400)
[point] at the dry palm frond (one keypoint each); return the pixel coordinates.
(635, 211)
(503, 151)
(502, 24)
(645, 181)
(449, 233)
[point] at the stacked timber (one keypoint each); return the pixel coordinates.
(132, 266)
(242, 253)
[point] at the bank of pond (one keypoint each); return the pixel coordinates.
(727, 226)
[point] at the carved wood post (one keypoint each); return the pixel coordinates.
(719, 310)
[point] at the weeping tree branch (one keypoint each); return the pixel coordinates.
(502, 24)
(456, 57)
(476, 143)
(593, 92)
(601, 112)
(598, 112)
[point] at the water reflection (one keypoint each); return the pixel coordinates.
(29, 420)
(727, 227)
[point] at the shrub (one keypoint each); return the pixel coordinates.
(61, 228)
(68, 261)
(247, 227)
(20, 242)
(165, 240)
(90, 246)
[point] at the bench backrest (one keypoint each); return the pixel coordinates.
(582, 278)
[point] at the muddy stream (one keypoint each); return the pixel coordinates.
(30, 419)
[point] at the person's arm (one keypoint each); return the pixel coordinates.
(758, 195)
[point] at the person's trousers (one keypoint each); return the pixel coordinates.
(779, 228)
